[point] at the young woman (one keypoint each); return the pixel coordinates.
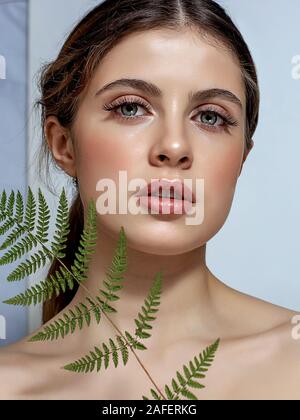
(160, 90)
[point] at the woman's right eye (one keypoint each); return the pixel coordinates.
(129, 107)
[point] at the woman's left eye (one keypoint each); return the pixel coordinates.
(214, 117)
(130, 107)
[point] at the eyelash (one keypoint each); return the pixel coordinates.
(227, 119)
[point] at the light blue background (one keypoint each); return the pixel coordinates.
(257, 249)
(13, 135)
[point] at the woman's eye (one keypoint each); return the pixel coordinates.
(211, 118)
(129, 109)
(126, 110)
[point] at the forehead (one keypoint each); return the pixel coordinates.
(175, 61)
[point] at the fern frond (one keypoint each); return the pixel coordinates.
(19, 230)
(94, 359)
(3, 203)
(63, 227)
(8, 213)
(87, 245)
(115, 275)
(152, 300)
(75, 317)
(11, 204)
(62, 278)
(43, 219)
(37, 294)
(39, 259)
(18, 250)
(28, 267)
(30, 213)
(195, 370)
(44, 290)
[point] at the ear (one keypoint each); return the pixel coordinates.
(246, 153)
(60, 144)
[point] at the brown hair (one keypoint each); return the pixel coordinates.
(63, 81)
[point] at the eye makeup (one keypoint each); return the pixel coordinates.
(226, 119)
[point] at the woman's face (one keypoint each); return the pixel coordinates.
(195, 144)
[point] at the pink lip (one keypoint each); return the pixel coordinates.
(179, 187)
(158, 205)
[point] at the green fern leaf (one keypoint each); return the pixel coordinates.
(155, 395)
(13, 237)
(169, 393)
(19, 230)
(93, 360)
(28, 267)
(7, 212)
(134, 343)
(69, 321)
(3, 202)
(175, 386)
(153, 299)
(180, 379)
(18, 250)
(59, 281)
(186, 372)
(11, 204)
(43, 219)
(124, 350)
(115, 273)
(39, 259)
(205, 359)
(195, 384)
(186, 393)
(87, 245)
(19, 208)
(30, 213)
(63, 227)
(114, 352)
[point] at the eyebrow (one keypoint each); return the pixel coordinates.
(154, 91)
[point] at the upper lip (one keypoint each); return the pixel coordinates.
(179, 187)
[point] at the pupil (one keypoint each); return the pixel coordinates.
(130, 107)
(211, 116)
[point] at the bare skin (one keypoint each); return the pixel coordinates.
(257, 358)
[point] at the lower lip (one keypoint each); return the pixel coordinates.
(159, 205)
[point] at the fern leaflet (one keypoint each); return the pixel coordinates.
(196, 370)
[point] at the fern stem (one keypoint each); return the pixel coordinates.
(138, 359)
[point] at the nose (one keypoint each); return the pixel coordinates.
(172, 151)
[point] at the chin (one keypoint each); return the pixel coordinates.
(162, 238)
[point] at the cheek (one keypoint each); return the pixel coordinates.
(224, 172)
(220, 183)
(102, 158)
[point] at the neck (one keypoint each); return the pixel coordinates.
(185, 299)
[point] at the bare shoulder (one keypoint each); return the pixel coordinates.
(289, 355)
(255, 315)
(280, 344)
(11, 372)
(19, 370)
